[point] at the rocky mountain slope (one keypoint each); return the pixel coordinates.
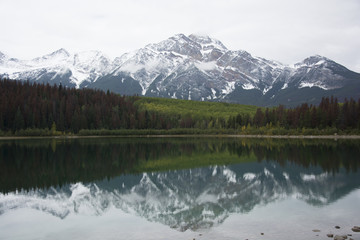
(192, 67)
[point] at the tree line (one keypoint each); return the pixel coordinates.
(31, 106)
(328, 114)
(26, 105)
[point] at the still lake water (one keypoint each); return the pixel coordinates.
(178, 188)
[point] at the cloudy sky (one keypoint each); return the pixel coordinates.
(283, 30)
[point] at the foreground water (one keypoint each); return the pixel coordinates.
(178, 188)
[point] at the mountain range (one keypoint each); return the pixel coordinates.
(191, 67)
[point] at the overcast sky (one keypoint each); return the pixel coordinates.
(283, 30)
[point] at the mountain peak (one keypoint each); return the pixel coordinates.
(199, 36)
(2, 56)
(206, 40)
(179, 36)
(61, 52)
(315, 60)
(56, 57)
(194, 41)
(91, 60)
(90, 54)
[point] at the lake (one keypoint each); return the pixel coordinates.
(179, 188)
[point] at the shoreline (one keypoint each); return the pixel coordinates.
(335, 137)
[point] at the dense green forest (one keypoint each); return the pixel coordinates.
(28, 108)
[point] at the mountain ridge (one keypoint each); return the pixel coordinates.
(191, 67)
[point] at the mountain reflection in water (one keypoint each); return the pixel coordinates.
(183, 183)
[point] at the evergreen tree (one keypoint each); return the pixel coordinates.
(259, 118)
(19, 122)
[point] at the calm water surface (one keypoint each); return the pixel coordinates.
(178, 188)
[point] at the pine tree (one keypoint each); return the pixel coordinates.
(259, 118)
(19, 122)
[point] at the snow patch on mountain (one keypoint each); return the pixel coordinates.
(315, 84)
(228, 88)
(266, 89)
(206, 66)
(284, 86)
(131, 67)
(248, 86)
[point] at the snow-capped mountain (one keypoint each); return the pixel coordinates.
(192, 67)
(57, 67)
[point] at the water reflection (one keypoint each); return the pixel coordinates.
(30, 164)
(183, 183)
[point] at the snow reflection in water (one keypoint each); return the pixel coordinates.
(197, 199)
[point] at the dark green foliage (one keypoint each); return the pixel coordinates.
(26, 107)
(19, 120)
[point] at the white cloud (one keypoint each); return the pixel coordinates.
(283, 30)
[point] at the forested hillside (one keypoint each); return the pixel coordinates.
(38, 109)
